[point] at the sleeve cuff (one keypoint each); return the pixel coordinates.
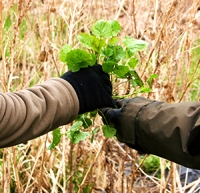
(129, 118)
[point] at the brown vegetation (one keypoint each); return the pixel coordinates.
(32, 33)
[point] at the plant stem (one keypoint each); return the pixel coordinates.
(91, 166)
(71, 167)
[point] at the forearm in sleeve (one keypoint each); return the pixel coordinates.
(165, 130)
(33, 112)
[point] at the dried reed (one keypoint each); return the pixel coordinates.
(32, 33)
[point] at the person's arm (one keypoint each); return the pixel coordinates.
(171, 131)
(33, 112)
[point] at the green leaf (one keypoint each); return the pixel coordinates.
(94, 131)
(86, 122)
(108, 51)
(23, 28)
(144, 89)
(114, 53)
(63, 52)
(84, 119)
(134, 45)
(109, 131)
(108, 66)
(7, 23)
(132, 62)
(102, 29)
(121, 71)
(75, 134)
(94, 59)
(89, 41)
(116, 28)
(79, 136)
(87, 189)
(76, 126)
(102, 44)
(137, 78)
(149, 81)
(93, 113)
(134, 84)
(120, 54)
(78, 58)
(113, 40)
(56, 139)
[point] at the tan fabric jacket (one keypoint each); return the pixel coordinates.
(32, 112)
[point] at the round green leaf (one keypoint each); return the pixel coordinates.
(63, 52)
(121, 71)
(134, 45)
(78, 58)
(109, 131)
(113, 40)
(116, 28)
(75, 134)
(132, 62)
(102, 29)
(89, 41)
(79, 136)
(108, 66)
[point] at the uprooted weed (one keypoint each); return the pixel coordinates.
(32, 33)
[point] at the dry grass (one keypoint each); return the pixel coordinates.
(32, 32)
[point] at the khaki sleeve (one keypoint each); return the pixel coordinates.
(33, 112)
(167, 130)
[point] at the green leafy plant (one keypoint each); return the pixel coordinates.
(151, 165)
(103, 46)
(118, 59)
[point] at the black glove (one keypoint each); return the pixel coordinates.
(113, 116)
(92, 86)
(122, 119)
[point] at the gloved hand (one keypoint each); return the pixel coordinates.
(122, 118)
(92, 86)
(113, 116)
(170, 131)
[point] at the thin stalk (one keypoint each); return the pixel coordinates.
(15, 169)
(173, 174)
(133, 170)
(192, 79)
(158, 37)
(163, 180)
(33, 168)
(42, 164)
(134, 19)
(71, 167)
(91, 166)
(6, 171)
